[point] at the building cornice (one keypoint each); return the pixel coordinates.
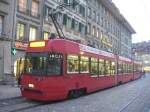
(115, 11)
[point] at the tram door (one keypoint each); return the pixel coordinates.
(18, 67)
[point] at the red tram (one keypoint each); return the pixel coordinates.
(57, 69)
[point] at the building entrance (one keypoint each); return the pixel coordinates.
(18, 67)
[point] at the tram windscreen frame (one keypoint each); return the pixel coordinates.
(44, 64)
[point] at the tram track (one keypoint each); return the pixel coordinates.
(17, 104)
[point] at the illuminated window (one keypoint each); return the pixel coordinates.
(35, 8)
(84, 65)
(72, 64)
(46, 35)
(22, 5)
(94, 31)
(108, 67)
(20, 31)
(33, 33)
(120, 67)
(94, 66)
(97, 33)
(113, 68)
(101, 67)
(1, 25)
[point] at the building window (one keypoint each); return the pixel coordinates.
(82, 10)
(22, 5)
(33, 33)
(65, 19)
(98, 19)
(59, 1)
(35, 8)
(97, 33)
(69, 22)
(81, 28)
(89, 28)
(46, 35)
(47, 10)
(76, 26)
(72, 24)
(67, 1)
(89, 12)
(94, 15)
(94, 31)
(20, 31)
(1, 25)
(59, 17)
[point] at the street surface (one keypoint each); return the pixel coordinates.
(131, 97)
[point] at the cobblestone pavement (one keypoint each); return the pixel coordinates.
(9, 91)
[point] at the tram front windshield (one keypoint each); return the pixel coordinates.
(43, 64)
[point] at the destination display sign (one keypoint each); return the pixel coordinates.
(56, 56)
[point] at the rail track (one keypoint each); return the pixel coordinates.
(17, 104)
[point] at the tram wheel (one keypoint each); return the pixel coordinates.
(76, 93)
(73, 94)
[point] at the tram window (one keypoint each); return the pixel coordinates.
(129, 68)
(101, 67)
(72, 64)
(112, 68)
(94, 66)
(35, 63)
(126, 68)
(84, 64)
(134, 68)
(54, 66)
(120, 67)
(123, 67)
(107, 67)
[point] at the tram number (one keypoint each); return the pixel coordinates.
(55, 56)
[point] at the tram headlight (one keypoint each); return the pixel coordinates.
(31, 85)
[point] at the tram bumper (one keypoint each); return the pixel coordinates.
(44, 94)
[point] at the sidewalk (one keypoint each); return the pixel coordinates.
(8, 91)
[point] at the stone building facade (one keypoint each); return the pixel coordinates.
(5, 37)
